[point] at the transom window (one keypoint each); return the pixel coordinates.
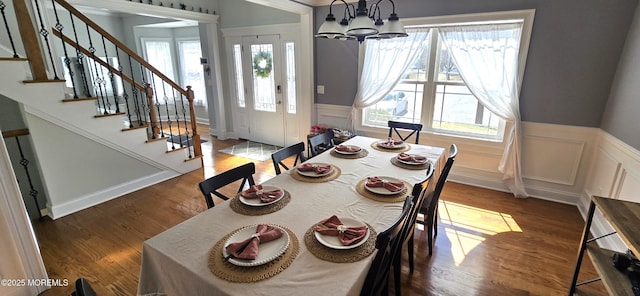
(433, 92)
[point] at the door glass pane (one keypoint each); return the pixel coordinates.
(191, 70)
(291, 77)
(264, 95)
(237, 63)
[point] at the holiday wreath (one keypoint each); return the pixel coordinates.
(262, 64)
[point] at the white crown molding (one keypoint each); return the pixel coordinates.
(131, 7)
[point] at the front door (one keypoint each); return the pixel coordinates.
(263, 90)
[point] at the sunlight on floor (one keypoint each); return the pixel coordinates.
(467, 227)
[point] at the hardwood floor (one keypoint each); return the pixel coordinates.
(488, 242)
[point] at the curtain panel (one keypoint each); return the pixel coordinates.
(385, 61)
(487, 59)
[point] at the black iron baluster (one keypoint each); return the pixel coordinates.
(125, 95)
(80, 56)
(6, 25)
(25, 163)
(177, 119)
(169, 121)
(97, 81)
(145, 102)
(158, 106)
(114, 88)
(186, 123)
(45, 35)
(134, 92)
(67, 60)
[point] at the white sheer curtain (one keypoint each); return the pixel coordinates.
(385, 61)
(487, 58)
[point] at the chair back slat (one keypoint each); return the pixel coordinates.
(211, 185)
(320, 143)
(279, 156)
(415, 129)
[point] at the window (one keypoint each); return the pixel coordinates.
(432, 91)
(291, 77)
(191, 72)
(158, 53)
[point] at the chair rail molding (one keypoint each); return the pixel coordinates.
(555, 157)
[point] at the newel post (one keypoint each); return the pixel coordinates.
(153, 116)
(30, 40)
(197, 149)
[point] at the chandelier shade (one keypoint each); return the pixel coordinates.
(361, 23)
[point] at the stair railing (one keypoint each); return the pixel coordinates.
(99, 67)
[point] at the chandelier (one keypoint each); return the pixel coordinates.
(361, 23)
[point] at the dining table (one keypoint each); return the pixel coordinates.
(189, 258)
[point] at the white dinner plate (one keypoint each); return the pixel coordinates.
(382, 190)
(382, 144)
(268, 251)
(411, 162)
(347, 152)
(256, 202)
(333, 242)
(313, 174)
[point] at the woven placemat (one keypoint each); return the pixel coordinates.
(400, 196)
(335, 174)
(237, 206)
(340, 256)
(242, 274)
(423, 166)
(406, 147)
(363, 153)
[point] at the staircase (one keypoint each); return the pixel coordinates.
(104, 129)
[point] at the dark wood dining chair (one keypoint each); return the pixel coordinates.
(414, 129)
(388, 242)
(429, 207)
(211, 185)
(418, 195)
(320, 143)
(83, 288)
(279, 156)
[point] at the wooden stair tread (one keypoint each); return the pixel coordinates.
(44, 81)
(109, 115)
(13, 59)
(79, 99)
(135, 128)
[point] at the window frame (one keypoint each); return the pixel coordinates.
(526, 16)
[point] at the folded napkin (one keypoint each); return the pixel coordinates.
(255, 191)
(412, 158)
(347, 235)
(346, 148)
(391, 142)
(379, 182)
(248, 248)
(320, 169)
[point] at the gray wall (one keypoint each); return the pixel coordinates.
(620, 118)
(574, 50)
(234, 13)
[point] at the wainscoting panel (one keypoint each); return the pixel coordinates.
(560, 164)
(615, 173)
(629, 187)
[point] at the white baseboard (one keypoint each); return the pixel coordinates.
(89, 200)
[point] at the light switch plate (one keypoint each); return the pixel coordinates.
(320, 89)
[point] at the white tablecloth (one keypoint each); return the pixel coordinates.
(174, 262)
